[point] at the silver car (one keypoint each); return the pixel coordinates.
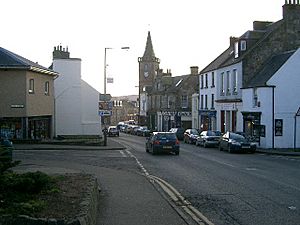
(208, 138)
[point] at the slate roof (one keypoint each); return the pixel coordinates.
(269, 69)
(10, 60)
(227, 58)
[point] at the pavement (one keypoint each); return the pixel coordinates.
(128, 197)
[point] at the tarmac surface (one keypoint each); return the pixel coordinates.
(127, 197)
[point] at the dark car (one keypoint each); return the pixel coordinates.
(143, 131)
(113, 131)
(162, 142)
(208, 138)
(190, 136)
(179, 132)
(6, 149)
(233, 142)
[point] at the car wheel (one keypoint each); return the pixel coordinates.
(177, 153)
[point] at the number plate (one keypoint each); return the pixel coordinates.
(167, 147)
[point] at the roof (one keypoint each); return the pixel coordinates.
(10, 60)
(269, 69)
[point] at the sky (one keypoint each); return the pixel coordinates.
(184, 33)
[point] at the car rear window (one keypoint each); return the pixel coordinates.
(165, 136)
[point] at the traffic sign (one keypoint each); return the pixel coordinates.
(104, 113)
(298, 112)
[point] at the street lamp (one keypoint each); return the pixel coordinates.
(105, 65)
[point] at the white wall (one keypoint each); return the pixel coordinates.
(76, 103)
(89, 110)
(287, 100)
(286, 103)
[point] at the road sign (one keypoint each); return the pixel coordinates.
(298, 112)
(104, 113)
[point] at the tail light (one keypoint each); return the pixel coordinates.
(156, 142)
(177, 142)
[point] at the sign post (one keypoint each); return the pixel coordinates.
(295, 128)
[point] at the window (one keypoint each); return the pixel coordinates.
(234, 81)
(205, 101)
(202, 84)
(243, 45)
(31, 86)
(222, 84)
(212, 101)
(169, 102)
(228, 83)
(206, 81)
(47, 88)
(212, 79)
(201, 101)
(255, 97)
(184, 101)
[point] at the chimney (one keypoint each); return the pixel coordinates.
(194, 70)
(233, 40)
(261, 25)
(60, 53)
(291, 10)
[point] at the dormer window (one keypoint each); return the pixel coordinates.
(243, 45)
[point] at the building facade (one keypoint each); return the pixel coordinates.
(26, 98)
(76, 102)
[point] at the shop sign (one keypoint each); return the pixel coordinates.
(278, 127)
(16, 106)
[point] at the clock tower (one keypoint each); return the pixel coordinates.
(148, 66)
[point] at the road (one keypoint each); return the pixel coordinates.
(235, 189)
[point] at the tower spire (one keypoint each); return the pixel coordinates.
(149, 52)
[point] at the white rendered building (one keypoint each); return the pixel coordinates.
(76, 102)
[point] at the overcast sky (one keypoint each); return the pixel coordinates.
(184, 33)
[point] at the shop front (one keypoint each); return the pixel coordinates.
(34, 128)
(208, 119)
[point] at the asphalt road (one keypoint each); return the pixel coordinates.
(233, 189)
(229, 189)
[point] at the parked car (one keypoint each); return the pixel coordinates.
(209, 138)
(112, 131)
(179, 131)
(233, 142)
(162, 142)
(143, 131)
(6, 149)
(190, 136)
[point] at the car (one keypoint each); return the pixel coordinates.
(143, 131)
(190, 136)
(233, 142)
(113, 131)
(179, 131)
(162, 142)
(208, 138)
